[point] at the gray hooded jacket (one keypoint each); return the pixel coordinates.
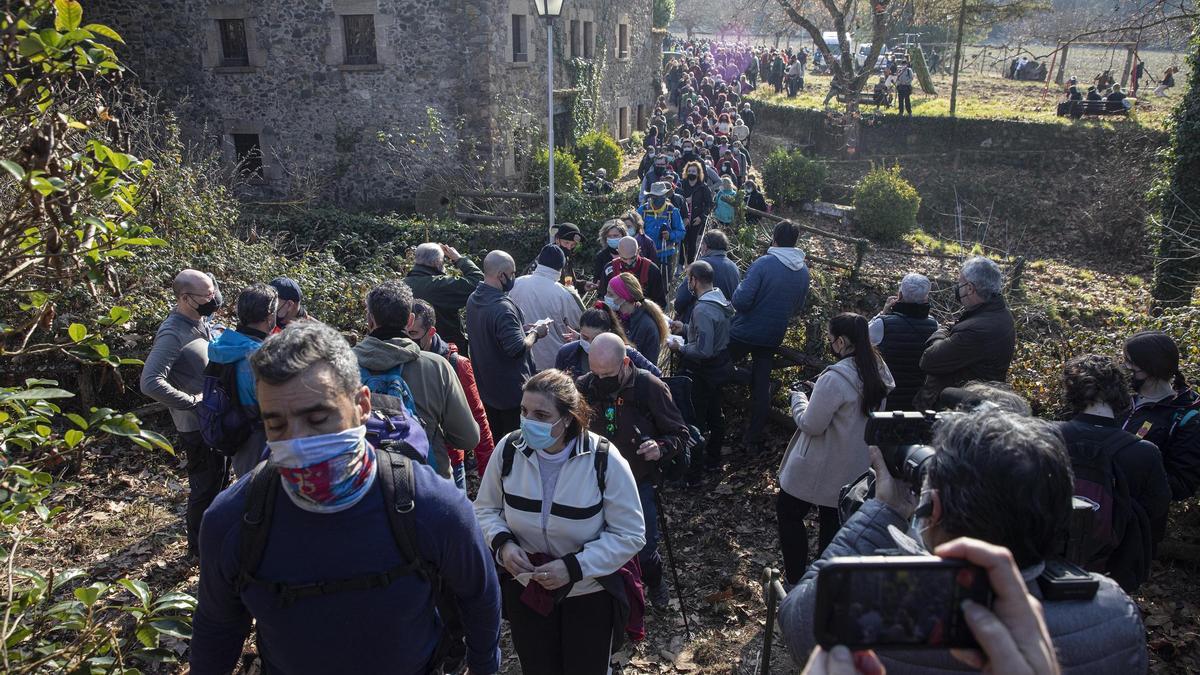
(708, 331)
(1100, 636)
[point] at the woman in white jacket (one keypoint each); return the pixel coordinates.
(556, 532)
(828, 449)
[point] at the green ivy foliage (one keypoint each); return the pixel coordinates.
(664, 12)
(885, 205)
(791, 178)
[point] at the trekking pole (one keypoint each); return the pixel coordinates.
(662, 519)
(773, 589)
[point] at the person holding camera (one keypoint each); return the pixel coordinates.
(900, 332)
(1005, 479)
(829, 448)
(1012, 635)
(980, 345)
(1165, 411)
(1122, 473)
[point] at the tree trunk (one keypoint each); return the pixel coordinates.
(1177, 267)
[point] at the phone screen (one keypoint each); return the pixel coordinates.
(900, 605)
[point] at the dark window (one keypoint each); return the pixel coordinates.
(233, 42)
(574, 38)
(623, 123)
(520, 39)
(248, 152)
(641, 117)
(587, 39)
(359, 33)
(623, 41)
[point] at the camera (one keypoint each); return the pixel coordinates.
(903, 438)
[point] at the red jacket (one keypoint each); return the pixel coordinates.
(466, 377)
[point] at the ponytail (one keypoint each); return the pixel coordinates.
(866, 358)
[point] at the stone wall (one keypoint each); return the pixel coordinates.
(318, 118)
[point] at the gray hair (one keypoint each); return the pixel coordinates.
(256, 303)
(429, 255)
(300, 347)
(985, 458)
(915, 288)
(984, 275)
(390, 303)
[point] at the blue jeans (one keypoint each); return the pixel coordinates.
(649, 557)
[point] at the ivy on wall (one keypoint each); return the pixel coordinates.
(586, 76)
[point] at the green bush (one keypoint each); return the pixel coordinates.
(664, 11)
(790, 178)
(597, 150)
(885, 205)
(567, 177)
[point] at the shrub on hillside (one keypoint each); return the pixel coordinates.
(567, 177)
(885, 205)
(664, 12)
(598, 150)
(790, 178)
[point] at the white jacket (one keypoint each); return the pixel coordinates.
(540, 296)
(594, 536)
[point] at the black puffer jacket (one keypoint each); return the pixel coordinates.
(1173, 425)
(906, 329)
(979, 346)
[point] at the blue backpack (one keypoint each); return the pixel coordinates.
(224, 422)
(394, 418)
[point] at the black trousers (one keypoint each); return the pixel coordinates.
(575, 639)
(690, 235)
(502, 421)
(707, 402)
(793, 533)
(207, 474)
(904, 98)
(760, 386)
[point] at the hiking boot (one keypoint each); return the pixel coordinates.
(660, 595)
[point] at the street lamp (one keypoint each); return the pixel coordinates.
(549, 10)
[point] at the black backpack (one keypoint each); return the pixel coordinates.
(1114, 518)
(515, 439)
(395, 473)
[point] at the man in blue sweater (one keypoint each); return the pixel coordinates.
(774, 291)
(329, 524)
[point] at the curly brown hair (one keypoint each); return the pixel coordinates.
(1093, 378)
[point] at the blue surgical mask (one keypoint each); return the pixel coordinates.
(612, 243)
(613, 304)
(538, 435)
(586, 345)
(326, 473)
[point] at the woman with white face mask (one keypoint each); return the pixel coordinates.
(573, 357)
(560, 511)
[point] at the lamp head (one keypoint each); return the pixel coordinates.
(548, 9)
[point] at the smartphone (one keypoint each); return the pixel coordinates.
(897, 602)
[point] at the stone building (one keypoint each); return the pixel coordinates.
(296, 93)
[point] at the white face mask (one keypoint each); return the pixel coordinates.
(298, 453)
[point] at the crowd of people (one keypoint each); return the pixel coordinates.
(351, 517)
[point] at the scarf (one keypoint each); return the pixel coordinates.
(327, 473)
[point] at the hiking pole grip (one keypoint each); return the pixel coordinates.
(662, 519)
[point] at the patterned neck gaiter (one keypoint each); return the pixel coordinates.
(327, 473)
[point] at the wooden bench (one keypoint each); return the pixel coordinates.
(868, 98)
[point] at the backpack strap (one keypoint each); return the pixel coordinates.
(600, 464)
(256, 523)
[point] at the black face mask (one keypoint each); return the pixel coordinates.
(508, 283)
(607, 386)
(209, 308)
(692, 178)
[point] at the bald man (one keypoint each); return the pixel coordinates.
(634, 410)
(647, 273)
(501, 343)
(174, 376)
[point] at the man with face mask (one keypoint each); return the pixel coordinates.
(387, 352)
(256, 311)
(447, 293)
(630, 260)
(330, 574)
(634, 410)
(504, 342)
(290, 299)
(1023, 505)
(698, 203)
(980, 344)
(660, 173)
(174, 376)
(663, 223)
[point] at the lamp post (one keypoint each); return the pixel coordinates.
(549, 10)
